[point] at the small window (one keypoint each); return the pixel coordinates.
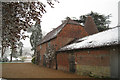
(40, 46)
(49, 44)
(40, 57)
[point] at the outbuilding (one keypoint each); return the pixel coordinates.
(94, 55)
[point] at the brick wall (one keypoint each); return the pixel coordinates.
(68, 33)
(58, 42)
(62, 41)
(93, 57)
(63, 61)
(98, 71)
(87, 62)
(95, 62)
(42, 50)
(73, 31)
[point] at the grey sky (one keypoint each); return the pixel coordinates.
(75, 8)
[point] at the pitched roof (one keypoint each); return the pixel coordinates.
(90, 26)
(55, 31)
(105, 38)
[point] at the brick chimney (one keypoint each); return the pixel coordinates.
(119, 13)
(90, 26)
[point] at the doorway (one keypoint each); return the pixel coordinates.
(72, 63)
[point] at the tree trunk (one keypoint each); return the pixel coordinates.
(11, 56)
(21, 51)
(2, 50)
(12, 52)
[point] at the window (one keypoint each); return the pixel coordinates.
(49, 44)
(40, 46)
(40, 57)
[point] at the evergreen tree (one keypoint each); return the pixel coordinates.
(20, 45)
(102, 22)
(36, 36)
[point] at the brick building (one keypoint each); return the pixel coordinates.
(94, 55)
(67, 32)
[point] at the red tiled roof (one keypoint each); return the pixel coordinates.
(55, 31)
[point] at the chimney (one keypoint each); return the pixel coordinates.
(119, 13)
(67, 19)
(90, 26)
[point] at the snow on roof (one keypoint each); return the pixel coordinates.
(105, 38)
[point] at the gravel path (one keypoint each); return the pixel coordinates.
(29, 70)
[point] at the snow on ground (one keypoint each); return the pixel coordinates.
(14, 59)
(28, 58)
(2, 79)
(105, 38)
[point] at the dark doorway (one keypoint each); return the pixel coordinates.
(72, 63)
(44, 60)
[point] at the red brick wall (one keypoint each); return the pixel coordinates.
(67, 34)
(63, 61)
(86, 61)
(73, 31)
(42, 51)
(62, 41)
(93, 57)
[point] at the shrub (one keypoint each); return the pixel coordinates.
(33, 60)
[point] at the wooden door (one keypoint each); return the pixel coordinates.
(71, 63)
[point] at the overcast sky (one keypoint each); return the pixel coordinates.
(75, 8)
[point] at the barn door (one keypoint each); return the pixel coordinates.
(71, 63)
